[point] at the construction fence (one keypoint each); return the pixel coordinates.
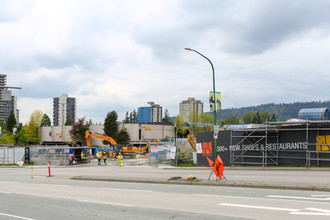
(163, 153)
(11, 155)
(54, 154)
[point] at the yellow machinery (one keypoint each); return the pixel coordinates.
(88, 137)
(144, 150)
(192, 141)
(126, 151)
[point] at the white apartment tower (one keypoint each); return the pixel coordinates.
(8, 102)
(188, 106)
(64, 108)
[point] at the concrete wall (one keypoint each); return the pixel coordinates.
(61, 133)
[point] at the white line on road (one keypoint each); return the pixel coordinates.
(15, 216)
(309, 213)
(298, 197)
(319, 210)
(259, 207)
(105, 203)
(320, 195)
(134, 190)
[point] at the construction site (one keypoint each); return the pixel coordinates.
(296, 142)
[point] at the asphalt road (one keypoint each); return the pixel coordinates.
(59, 197)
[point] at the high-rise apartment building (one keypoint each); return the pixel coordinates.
(152, 113)
(8, 102)
(188, 106)
(64, 108)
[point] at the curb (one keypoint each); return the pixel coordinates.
(223, 183)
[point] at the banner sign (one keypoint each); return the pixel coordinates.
(199, 148)
(153, 149)
(218, 101)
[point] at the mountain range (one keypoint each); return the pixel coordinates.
(283, 111)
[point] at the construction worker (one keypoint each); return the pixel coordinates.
(99, 156)
(82, 157)
(120, 159)
(105, 157)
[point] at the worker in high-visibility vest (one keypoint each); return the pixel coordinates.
(105, 157)
(82, 157)
(99, 156)
(120, 159)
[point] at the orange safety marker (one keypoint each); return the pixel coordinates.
(210, 162)
(49, 169)
(218, 167)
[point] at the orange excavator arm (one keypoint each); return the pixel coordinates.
(88, 137)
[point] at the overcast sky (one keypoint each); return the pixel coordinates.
(119, 55)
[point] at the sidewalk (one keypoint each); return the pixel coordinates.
(295, 178)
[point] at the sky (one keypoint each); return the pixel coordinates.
(118, 55)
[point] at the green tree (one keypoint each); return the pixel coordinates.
(230, 120)
(194, 120)
(273, 118)
(248, 117)
(265, 116)
(126, 120)
(110, 124)
(207, 122)
(20, 134)
(46, 121)
(11, 122)
(7, 138)
(166, 118)
(257, 119)
(89, 123)
(133, 117)
(122, 136)
(180, 125)
(77, 132)
(68, 122)
(32, 130)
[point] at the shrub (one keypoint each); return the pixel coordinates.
(185, 157)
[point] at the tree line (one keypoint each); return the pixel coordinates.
(283, 111)
(30, 132)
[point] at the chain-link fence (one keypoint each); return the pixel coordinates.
(162, 153)
(55, 155)
(11, 155)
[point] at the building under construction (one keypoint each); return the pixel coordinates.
(304, 141)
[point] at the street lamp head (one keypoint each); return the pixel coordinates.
(188, 49)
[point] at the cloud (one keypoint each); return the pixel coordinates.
(119, 55)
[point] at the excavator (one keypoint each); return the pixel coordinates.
(88, 137)
(145, 150)
(125, 151)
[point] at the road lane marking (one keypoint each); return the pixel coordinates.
(320, 195)
(16, 216)
(105, 203)
(310, 213)
(298, 197)
(134, 190)
(319, 210)
(259, 207)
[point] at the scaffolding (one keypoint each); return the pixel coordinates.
(260, 145)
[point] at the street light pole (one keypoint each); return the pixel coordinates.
(214, 101)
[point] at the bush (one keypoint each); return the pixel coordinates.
(185, 157)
